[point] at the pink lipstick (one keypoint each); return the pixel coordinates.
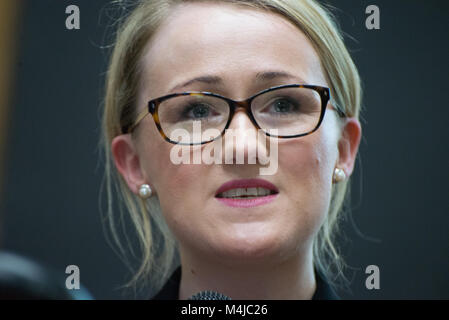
(246, 193)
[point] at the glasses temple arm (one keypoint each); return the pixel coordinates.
(339, 110)
(139, 118)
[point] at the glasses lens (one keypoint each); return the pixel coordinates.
(193, 118)
(292, 111)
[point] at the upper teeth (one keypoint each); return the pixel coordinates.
(239, 192)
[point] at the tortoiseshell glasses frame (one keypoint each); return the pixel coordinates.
(153, 107)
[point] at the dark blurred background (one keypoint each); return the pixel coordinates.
(50, 174)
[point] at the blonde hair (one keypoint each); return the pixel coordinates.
(157, 245)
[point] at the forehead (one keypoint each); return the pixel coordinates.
(225, 40)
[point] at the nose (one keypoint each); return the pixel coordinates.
(241, 120)
(242, 139)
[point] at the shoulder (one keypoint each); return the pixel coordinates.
(170, 290)
(324, 290)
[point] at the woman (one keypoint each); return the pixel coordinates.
(237, 232)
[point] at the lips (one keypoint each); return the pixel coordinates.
(246, 189)
(245, 193)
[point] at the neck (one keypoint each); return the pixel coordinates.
(293, 279)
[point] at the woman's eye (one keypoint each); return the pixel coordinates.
(197, 111)
(284, 106)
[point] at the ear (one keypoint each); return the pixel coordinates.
(348, 145)
(127, 161)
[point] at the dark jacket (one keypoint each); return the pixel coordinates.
(170, 290)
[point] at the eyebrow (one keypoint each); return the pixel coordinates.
(262, 76)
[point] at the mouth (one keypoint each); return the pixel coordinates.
(245, 193)
(246, 189)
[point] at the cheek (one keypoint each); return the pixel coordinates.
(167, 177)
(306, 167)
(179, 187)
(307, 163)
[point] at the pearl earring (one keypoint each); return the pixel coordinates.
(145, 191)
(339, 175)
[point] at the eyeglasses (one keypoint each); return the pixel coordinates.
(293, 110)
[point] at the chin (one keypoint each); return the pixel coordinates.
(253, 247)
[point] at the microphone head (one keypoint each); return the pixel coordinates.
(209, 295)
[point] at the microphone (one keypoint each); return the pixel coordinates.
(209, 295)
(24, 279)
